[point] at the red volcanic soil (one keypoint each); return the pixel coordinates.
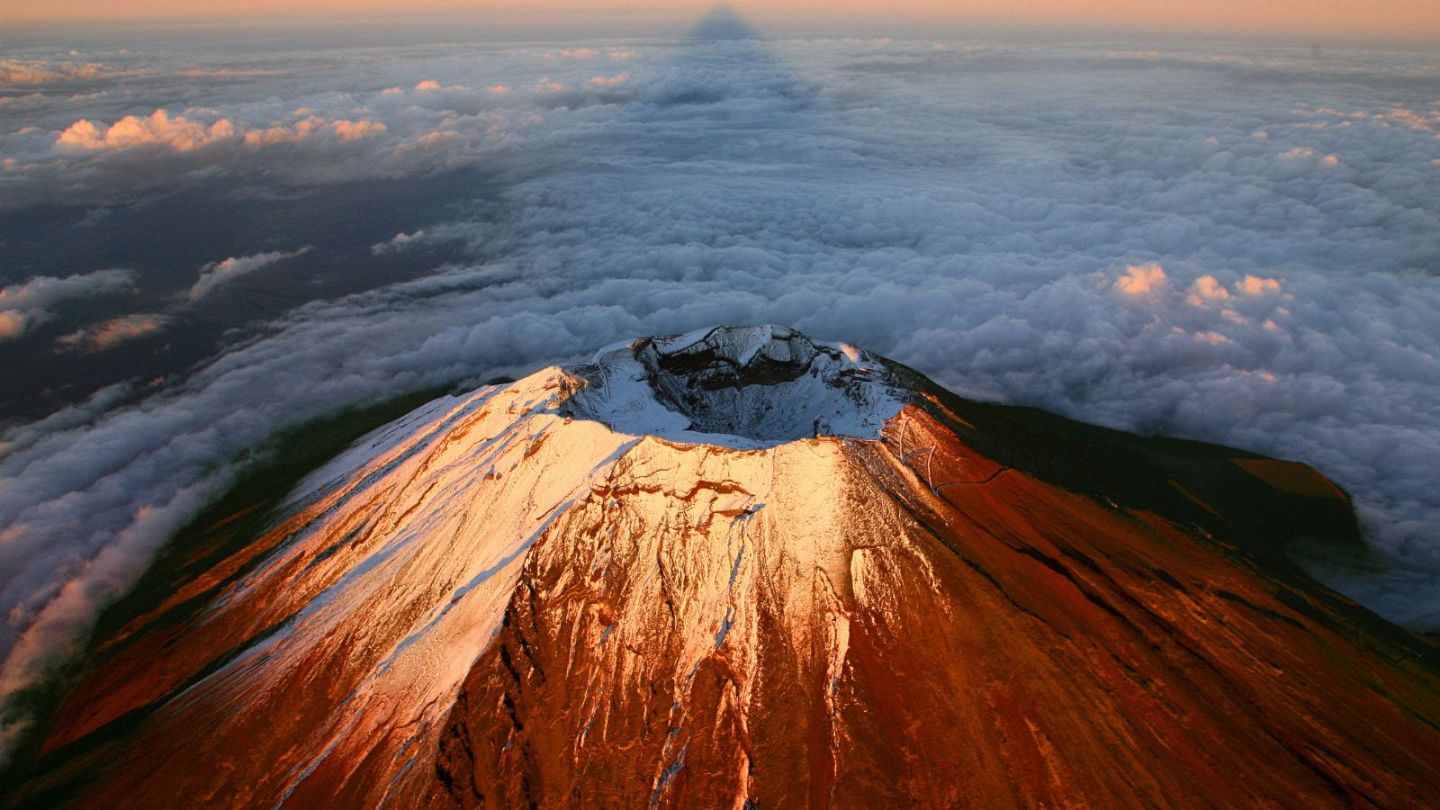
(986, 607)
(1031, 647)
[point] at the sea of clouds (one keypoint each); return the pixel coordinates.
(1230, 242)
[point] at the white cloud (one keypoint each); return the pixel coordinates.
(398, 242)
(25, 306)
(68, 418)
(214, 274)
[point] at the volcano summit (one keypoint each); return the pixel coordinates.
(741, 568)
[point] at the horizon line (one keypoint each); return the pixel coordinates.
(662, 23)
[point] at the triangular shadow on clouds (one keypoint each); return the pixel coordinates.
(726, 94)
(723, 22)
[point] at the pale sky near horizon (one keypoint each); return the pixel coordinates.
(1385, 18)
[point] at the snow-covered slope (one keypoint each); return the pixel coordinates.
(741, 568)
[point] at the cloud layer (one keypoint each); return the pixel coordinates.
(1159, 242)
(26, 305)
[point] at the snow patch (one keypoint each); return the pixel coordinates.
(746, 387)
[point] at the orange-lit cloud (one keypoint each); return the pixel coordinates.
(183, 134)
(1255, 285)
(1141, 279)
(1206, 289)
(343, 129)
(113, 332)
(159, 128)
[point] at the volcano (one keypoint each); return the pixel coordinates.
(742, 568)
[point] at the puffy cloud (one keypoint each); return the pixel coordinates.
(214, 274)
(158, 129)
(1141, 279)
(1255, 285)
(25, 306)
(183, 134)
(111, 333)
(610, 81)
(1205, 290)
(355, 130)
(342, 129)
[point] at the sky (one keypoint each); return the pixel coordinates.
(213, 235)
(1410, 19)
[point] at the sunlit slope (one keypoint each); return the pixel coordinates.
(739, 567)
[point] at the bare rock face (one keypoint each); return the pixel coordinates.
(740, 568)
